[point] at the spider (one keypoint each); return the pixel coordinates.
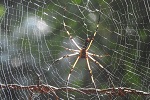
(82, 53)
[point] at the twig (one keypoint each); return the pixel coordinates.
(120, 91)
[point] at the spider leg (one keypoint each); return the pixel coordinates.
(100, 65)
(72, 50)
(71, 36)
(92, 38)
(87, 60)
(104, 69)
(65, 56)
(72, 70)
(100, 56)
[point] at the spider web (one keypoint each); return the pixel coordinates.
(32, 37)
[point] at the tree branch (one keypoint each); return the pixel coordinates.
(120, 91)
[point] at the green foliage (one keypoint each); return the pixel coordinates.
(2, 10)
(76, 1)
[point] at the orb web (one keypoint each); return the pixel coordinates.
(33, 36)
